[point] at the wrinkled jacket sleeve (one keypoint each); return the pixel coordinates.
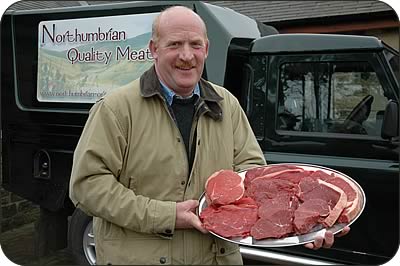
(94, 183)
(247, 152)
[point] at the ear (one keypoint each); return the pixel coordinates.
(153, 49)
(207, 45)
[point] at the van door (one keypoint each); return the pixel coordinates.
(328, 110)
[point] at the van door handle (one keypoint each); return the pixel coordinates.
(41, 165)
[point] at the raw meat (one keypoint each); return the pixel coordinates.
(276, 217)
(278, 201)
(282, 202)
(309, 214)
(230, 220)
(263, 171)
(224, 187)
(246, 200)
(333, 195)
(278, 225)
(353, 195)
(263, 189)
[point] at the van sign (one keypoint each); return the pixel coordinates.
(80, 60)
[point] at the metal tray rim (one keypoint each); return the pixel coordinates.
(291, 240)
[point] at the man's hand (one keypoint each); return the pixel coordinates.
(327, 241)
(186, 217)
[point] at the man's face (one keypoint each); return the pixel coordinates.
(180, 51)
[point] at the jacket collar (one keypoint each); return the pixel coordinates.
(150, 86)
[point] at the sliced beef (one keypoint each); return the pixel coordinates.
(317, 189)
(352, 192)
(270, 170)
(282, 202)
(278, 201)
(309, 214)
(263, 189)
(354, 203)
(277, 225)
(253, 173)
(230, 220)
(246, 200)
(276, 217)
(294, 176)
(224, 187)
(319, 174)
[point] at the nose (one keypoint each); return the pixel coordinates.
(186, 53)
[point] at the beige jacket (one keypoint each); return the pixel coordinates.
(130, 168)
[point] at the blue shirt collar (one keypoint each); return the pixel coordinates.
(169, 94)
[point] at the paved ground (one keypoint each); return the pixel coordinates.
(18, 245)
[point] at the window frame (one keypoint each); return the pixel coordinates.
(279, 60)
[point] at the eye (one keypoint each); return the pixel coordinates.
(197, 45)
(174, 44)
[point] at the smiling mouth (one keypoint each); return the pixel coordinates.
(185, 66)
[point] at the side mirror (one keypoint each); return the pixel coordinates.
(390, 124)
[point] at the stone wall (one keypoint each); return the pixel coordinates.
(15, 211)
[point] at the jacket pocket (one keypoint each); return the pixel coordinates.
(227, 253)
(143, 251)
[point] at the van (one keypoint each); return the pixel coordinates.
(329, 100)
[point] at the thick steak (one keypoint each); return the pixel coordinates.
(352, 192)
(262, 189)
(283, 202)
(309, 214)
(230, 220)
(276, 217)
(270, 171)
(317, 189)
(277, 225)
(224, 187)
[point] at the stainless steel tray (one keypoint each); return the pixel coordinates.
(318, 230)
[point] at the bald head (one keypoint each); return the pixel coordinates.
(170, 15)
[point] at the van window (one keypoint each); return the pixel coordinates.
(330, 97)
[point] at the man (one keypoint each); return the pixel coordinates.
(148, 148)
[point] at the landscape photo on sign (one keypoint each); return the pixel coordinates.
(80, 60)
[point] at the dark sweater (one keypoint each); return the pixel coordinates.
(183, 110)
